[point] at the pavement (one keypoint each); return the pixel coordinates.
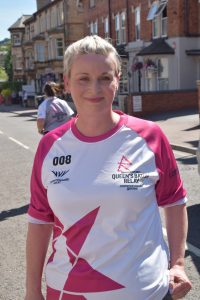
(182, 128)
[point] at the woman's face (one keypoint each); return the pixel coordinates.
(93, 82)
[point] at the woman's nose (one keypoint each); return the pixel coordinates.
(95, 86)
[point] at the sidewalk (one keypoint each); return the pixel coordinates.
(181, 128)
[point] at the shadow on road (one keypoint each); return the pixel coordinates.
(192, 128)
(194, 225)
(193, 233)
(172, 114)
(5, 214)
(187, 160)
(24, 114)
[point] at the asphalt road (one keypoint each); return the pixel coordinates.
(18, 143)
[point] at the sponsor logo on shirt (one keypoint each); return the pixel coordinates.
(60, 176)
(131, 180)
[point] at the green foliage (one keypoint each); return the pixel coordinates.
(3, 75)
(6, 93)
(8, 63)
(13, 85)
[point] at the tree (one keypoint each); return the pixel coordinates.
(8, 63)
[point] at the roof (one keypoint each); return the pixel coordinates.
(158, 46)
(19, 23)
(193, 52)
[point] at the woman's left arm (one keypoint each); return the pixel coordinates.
(177, 227)
(40, 125)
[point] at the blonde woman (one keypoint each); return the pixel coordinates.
(98, 182)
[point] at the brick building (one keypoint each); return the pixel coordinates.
(158, 42)
(17, 31)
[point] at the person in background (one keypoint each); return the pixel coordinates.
(24, 98)
(53, 111)
(98, 182)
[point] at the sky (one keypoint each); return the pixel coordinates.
(11, 11)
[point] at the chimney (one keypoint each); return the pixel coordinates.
(42, 3)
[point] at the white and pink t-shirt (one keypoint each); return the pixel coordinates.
(102, 194)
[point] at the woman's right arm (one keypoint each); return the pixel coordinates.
(38, 237)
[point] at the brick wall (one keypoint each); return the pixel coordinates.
(163, 101)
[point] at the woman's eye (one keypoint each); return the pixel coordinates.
(84, 79)
(106, 78)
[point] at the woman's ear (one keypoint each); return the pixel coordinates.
(66, 84)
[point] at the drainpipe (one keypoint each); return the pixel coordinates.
(186, 19)
(64, 20)
(127, 22)
(110, 18)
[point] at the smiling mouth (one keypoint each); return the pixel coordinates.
(95, 100)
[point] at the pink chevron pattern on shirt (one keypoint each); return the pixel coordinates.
(82, 274)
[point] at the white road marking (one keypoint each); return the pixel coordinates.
(188, 246)
(19, 143)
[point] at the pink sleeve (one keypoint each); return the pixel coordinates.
(39, 206)
(169, 188)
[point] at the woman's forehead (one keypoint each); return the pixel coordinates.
(104, 63)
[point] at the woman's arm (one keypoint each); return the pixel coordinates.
(177, 227)
(38, 237)
(40, 125)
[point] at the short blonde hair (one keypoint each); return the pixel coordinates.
(90, 44)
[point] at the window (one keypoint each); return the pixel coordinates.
(94, 27)
(40, 53)
(152, 11)
(18, 63)
(16, 39)
(120, 28)
(117, 29)
(59, 48)
(106, 28)
(60, 14)
(164, 22)
(137, 23)
(123, 28)
(157, 75)
(123, 83)
(92, 3)
(162, 74)
(158, 16)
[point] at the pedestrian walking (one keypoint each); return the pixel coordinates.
(98, 182)
(53, 111)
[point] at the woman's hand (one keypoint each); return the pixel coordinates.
(179, 284)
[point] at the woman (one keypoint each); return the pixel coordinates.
(53, 111)
(98, 181)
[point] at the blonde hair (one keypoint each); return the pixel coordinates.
(90, 44)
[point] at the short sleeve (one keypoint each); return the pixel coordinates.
(169, 188)
(41, 114)
(39, 207)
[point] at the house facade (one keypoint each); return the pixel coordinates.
(17, 31)
(158, 41)
(44, 37)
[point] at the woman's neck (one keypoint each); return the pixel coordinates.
(96, 125)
